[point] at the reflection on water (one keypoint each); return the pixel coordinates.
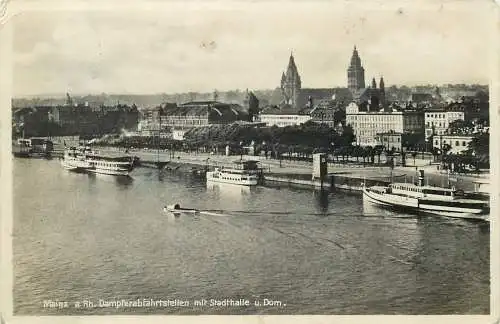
(229, 191)
(121, 181)
(322, 199)
(103, 237)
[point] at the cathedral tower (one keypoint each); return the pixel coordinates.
(291, 84)
(381, 84)
(355, 73)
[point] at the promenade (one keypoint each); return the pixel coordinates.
(287, 168)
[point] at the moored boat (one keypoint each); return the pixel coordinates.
(427, 199)
(35, 147)
(242, 173)
(85, 160)
(74, 160)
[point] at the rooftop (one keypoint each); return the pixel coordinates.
(283, 110)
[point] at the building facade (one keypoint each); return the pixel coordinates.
(437, 121)
(200, 113)
(282, 117)
(367, 124)
(458, 143)
(400, 141)
(390, 140)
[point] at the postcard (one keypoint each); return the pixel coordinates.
(258, 161)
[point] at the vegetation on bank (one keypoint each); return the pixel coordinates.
(300, 142)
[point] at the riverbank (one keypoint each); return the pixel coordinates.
(300, 172)
(341, 175)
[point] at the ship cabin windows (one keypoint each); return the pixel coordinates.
(438, 192)
(407, 188)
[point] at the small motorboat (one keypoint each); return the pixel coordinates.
(176, 208)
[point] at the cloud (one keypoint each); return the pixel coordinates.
(192, 49)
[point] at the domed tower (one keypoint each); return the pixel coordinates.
(291, 83)
(355, 73)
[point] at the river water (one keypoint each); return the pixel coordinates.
(101, 241)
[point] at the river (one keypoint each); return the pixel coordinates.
(84, 244)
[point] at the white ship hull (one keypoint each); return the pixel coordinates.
(75, 165)
(424, 206)
(109, 171)
(91, 163)
(221, 177)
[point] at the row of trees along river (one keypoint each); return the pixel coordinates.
(300, 142)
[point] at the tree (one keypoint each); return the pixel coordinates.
(253, 106)
(369, 153)
(414, 156)
(480, 147)
(480, 144)
(460, 127)
(377, 150)
(348, 136)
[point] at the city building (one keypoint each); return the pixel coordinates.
(390, 140)
(329, 112)
(180, 118)
(367, 123)
(151, 119)
(437, 121)
(283, 116)
(399, 141)
(457, 143)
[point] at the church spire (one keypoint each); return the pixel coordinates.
(355, 72)
(374, 84)
(381, 85)
(292, 68)
(291, 83)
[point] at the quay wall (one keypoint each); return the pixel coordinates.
(298, 172)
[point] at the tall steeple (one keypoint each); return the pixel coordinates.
(291, 83)
(283, 79)
(374, 84)
(381, 85)
(355, 73)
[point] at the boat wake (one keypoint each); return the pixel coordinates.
(209, 213)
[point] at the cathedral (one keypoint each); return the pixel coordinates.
(355, 73)
(368, 98)
(290, 84)
(291, 96)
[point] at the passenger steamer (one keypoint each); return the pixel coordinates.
(243, 173)
(427, 199)
(86, 160)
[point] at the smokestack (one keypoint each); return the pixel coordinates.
(421, 178)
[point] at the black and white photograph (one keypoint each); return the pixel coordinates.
(250, 158)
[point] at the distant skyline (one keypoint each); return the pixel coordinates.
(247, 45)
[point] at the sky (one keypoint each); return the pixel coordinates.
(180, 47)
